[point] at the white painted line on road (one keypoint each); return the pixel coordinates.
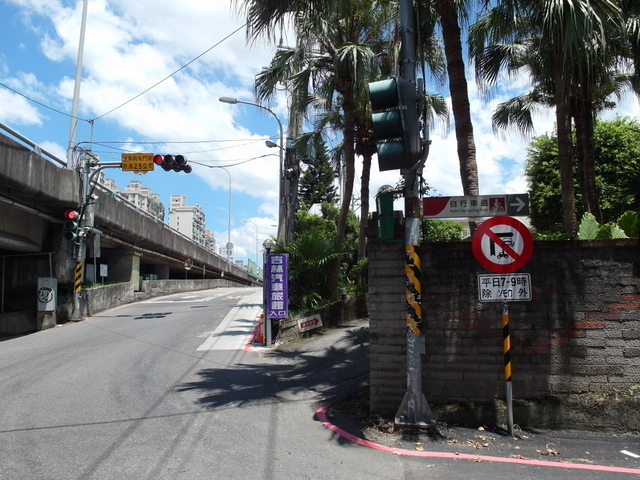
(631, 454)
(235, 328)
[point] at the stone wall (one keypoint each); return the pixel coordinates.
(334, 315)
(579, 336)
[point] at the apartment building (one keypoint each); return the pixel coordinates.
(141, 197)
(188, 220)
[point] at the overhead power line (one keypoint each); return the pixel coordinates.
(131, 99)
(42, 104)
(172, 74)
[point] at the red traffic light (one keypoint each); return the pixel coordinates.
(169, 162)
(71, 214)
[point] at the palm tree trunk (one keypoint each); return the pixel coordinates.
(348, 109)
(587, 144)
(451, 35)
(565, 151)
(364, 205)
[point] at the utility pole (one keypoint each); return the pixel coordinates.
(76, 89)
(291, 173)
(401, 145)
(414, 409)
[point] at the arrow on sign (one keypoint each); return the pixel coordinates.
(309, 323)
(519, 204)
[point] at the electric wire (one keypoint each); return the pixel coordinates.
(32, 100)
(131, 99)
(172, 74)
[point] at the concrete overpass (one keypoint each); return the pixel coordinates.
(36, 188)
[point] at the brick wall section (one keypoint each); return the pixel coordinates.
(579, 334)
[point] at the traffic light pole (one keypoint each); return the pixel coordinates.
(414, 409)
(130, 162)
(86, 177)
(85, 167)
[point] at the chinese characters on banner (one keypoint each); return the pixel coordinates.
(277, 285)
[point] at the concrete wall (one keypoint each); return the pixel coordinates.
(25, 175)
(95, 300)
(577, 341)
(334, 315)
(98, 299)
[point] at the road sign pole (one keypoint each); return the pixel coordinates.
(506, 346)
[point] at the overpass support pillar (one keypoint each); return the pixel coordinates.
(161, 270)
(124, 266)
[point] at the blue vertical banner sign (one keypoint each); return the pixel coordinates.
(277, 285)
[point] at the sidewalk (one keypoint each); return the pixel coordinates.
(572, 449)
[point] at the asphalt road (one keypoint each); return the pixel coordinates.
(169, 389)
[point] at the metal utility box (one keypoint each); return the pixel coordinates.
(47, 294)
(384, 203)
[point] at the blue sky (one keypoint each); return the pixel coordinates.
(130, 46)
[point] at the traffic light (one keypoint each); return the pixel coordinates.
(71, 225)
(169, 162)
(396, 123)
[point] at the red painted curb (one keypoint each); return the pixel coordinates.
(321, 413)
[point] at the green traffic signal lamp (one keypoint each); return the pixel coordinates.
(396, 123)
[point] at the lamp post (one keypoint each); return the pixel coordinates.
(229, 218)
(254, 224)
(228, 222)
(281, 240)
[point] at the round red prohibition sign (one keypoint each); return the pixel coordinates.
(502, 244)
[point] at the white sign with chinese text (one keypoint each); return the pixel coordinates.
(309, 323)
(511, 287)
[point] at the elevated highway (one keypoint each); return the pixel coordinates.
(130, 245)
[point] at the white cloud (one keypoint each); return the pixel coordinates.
(130, 46)
(17, 109)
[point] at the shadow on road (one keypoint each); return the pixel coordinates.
(326, 366)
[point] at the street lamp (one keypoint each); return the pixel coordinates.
(254, 224)
(228, 223)
(229, 219)
(281, 210)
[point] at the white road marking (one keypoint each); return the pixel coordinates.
(631, 454)
(235, 328)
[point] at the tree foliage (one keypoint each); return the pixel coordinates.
(317, 182)
(441, 231)
(617, 145)
(311, 253)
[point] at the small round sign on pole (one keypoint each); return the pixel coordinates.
(502, 244)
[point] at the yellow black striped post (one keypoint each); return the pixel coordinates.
(506, 342)
(413, 290)
(78, 277)
(506, 347)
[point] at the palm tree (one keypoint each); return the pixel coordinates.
(331, 65)
(564, 45)
(448, 12)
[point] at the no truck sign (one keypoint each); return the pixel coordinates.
(502, 244)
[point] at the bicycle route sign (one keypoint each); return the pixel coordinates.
(502, 244)
(514, 205)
